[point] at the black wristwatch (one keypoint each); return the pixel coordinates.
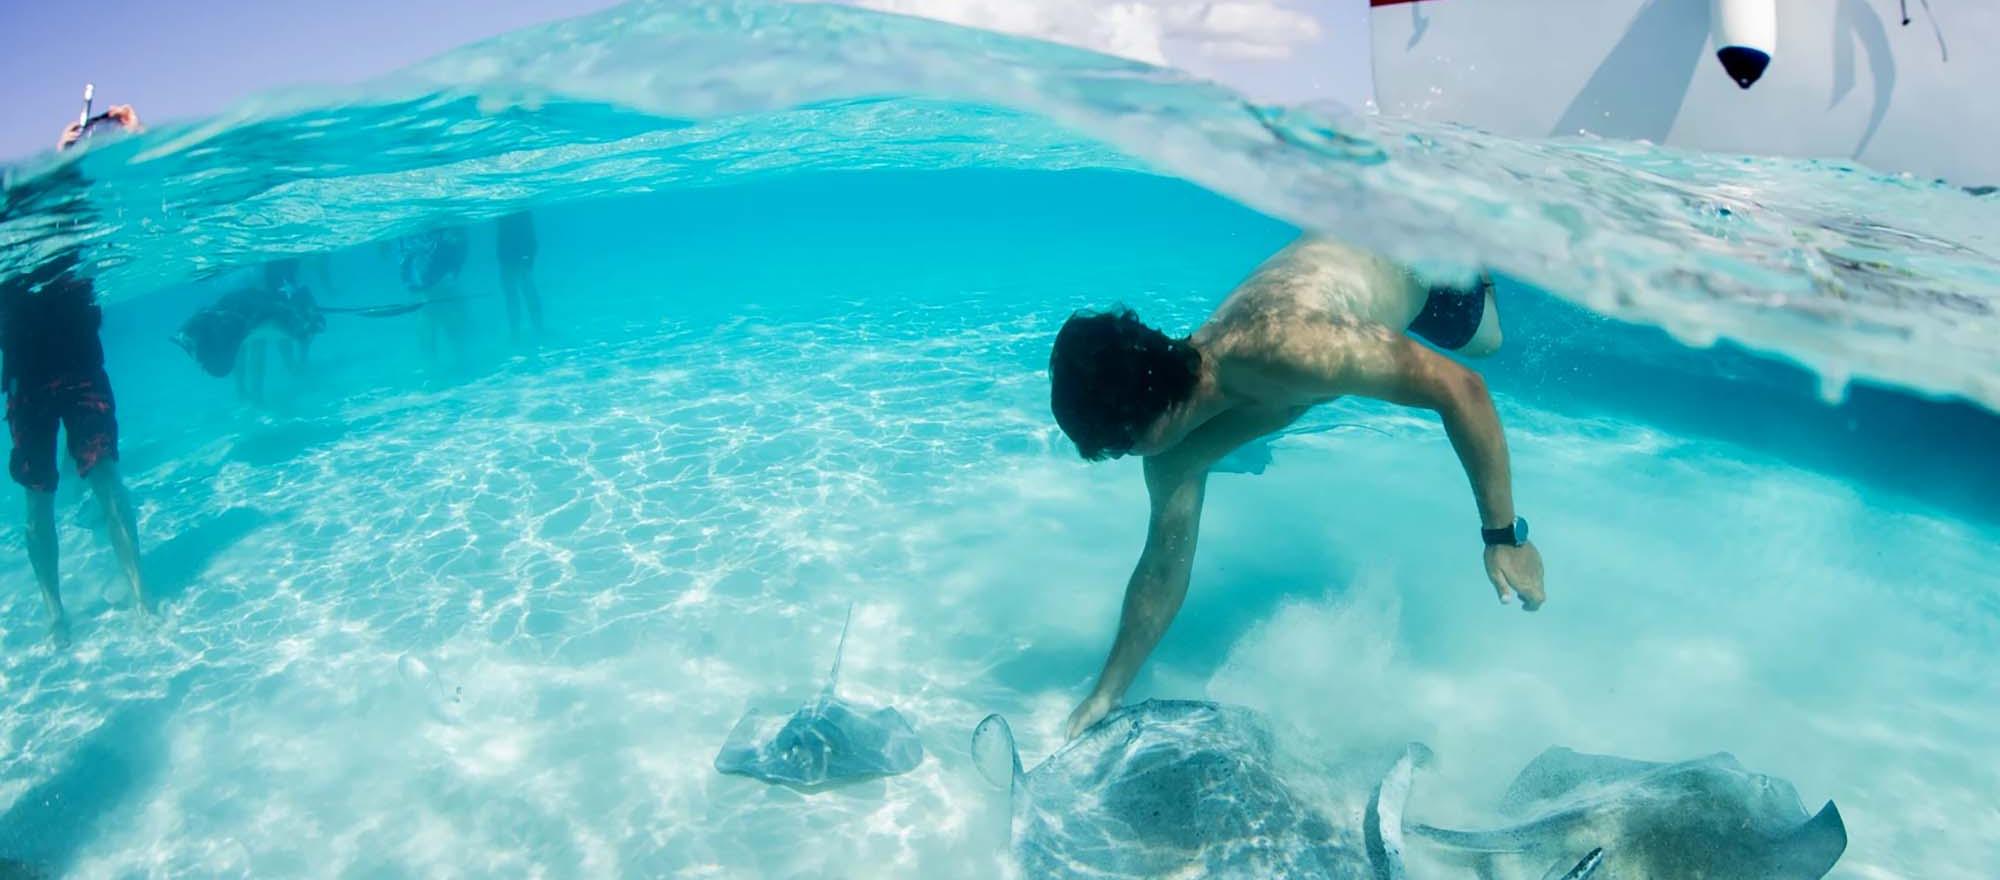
(1508, 536)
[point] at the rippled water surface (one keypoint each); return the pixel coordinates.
(802, 266)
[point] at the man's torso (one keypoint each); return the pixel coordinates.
(1296, 313)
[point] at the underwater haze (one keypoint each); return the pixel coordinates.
(802, 266)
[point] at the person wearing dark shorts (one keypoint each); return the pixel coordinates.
(52, 364)
(514, 245)
(1453, 317)
(430, 264)
(52, 370)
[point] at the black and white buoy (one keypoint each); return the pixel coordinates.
(1746, 35)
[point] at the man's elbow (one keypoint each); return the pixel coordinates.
(1457, 389)
(1471, 387)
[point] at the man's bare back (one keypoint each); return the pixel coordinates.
(1317, 321)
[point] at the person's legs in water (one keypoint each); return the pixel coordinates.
(90, 419)
(260, 364)
(251, 362)
(33, 419)
(294, 354)
(517, 279)
(124, 526)
(44, 558)
(237, 374)
(449, 326)
(530, 297)
(439, 349)
(514, 250)
(427, 340)
(510, 288)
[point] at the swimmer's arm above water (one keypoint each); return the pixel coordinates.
(1394, 368)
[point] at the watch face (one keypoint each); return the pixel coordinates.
(1520, 530)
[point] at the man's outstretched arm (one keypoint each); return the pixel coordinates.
(1395, 368)
(1176, 481)
(1158, 585)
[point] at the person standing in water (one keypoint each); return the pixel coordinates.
(1316, 321)
(514, 245)
(243, 331)
(429, 264)
(52, 368)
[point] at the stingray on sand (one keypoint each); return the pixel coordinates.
(1707, 818)
(1182, 788)
(827, 742)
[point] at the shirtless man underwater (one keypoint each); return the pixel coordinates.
(1316, 321)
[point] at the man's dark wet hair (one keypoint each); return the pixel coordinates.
(1110, 376)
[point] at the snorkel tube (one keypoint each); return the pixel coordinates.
(87, 122)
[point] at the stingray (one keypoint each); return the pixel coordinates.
(1707, 818)
(828, 742)
(1186, 789)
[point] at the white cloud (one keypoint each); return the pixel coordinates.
(1260, 30)
(1256, 30)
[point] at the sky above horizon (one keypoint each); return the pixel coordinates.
(176, 61)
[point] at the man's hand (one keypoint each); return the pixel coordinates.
(1516, 569)
(123, 114)
(1089, 712)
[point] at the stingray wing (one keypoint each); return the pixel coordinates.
(746, 751)
(1585, 800)
(1559, 771)
(901, 750)
(994, 753)
(1382, 819)
(1814, 848)
(1167, 788)
(867, 743)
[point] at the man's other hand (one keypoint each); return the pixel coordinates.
(1516, 569)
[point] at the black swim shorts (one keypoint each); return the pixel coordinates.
(1451, 315)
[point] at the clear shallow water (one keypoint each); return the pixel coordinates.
(805, 369)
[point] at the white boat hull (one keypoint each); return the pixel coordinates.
(1845, 80)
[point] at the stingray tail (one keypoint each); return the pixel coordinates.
(388, 311)
(833, 675)
(1503, 841)
(1584, 870)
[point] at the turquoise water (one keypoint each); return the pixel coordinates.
(802, 267)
